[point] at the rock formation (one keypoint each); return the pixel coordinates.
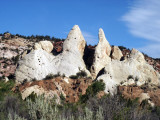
(101, 55)
(45, 45)
(70, 61)
(116, 66)
(69, 88)
(145, 92)
(38, 64)
(116, 53)
(135, 67)
(35, 65)
(10, 52)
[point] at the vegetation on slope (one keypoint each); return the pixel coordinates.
(32, 37)
(88, 108)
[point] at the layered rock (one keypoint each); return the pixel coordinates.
(45, 45)
(117, 72)
(116, 53)
(39, 63)
(10, 52)
(149, 93)
(71, 89)
(101, 55)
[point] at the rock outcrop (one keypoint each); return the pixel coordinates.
(35, 65)
(116, 66)
(149, 93)
(45, 45)
(39, 63)
(116, 53)
(135, 67)
(71, 89)
(10, 52)
(70, 61)
(101, 55)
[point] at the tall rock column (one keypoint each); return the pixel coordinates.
(70, 61)
(101, 56)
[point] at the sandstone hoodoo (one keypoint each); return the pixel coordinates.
(101, 56)
(134, 68)
(55, 68)
(39, 63)
(70, 61)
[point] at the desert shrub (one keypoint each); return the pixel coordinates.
(130, 77)
(16, 59)
(5, 88)
(34, 79)
(118, 108)
(24, 81)
(51, 76)
(106, 108)
(5, 66)
(122, 48)
(136, 79)
(73, 77)
(81, 74)
(14, 106)
(92, 90)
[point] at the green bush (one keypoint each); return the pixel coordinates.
(51, 76)
(5, 88)
(92, 90)
(73, 77)
(80, 74)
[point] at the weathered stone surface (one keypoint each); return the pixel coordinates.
(7, 51)
(35, 65)
(71, 89)
(70, 61)
(116, 53)
(149, 94)
(136, 66)
(38, 64)
(37, 46)
(101, 56)
(45, 45)
(10, 52)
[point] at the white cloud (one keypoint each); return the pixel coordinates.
(91, 39)
(143, 20)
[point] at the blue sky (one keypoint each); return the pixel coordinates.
(130, 23)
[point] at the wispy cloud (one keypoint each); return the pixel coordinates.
(91, 39)
(143, 20)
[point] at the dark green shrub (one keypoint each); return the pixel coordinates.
(92, 90)
(81, 74)
(136, 78)
(73, 77)
(130, 77)
(51, 76)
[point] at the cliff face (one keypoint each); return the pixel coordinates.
(71, 58)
